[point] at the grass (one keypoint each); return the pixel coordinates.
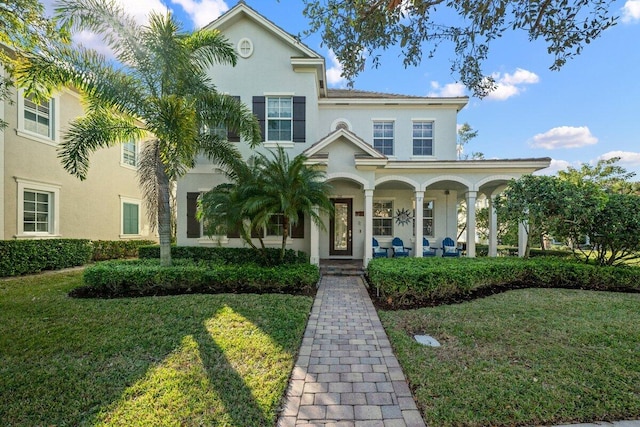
(217, 360)
(525, 357)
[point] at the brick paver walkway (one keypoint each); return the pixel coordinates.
(346, 374)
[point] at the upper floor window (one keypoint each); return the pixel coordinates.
(279, 119)
(130, 153)
(37, 118)
(383, 217)
(423, 138)
(383, 137)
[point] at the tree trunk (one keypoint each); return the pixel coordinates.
(285, 235)
(164, 215)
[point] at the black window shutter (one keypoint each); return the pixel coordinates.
(193, 225)
(231, 135)
(260, 112)
(234, 233)
(299, 117)
(297, 231)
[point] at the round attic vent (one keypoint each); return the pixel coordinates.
(342, 125)
(245, 48)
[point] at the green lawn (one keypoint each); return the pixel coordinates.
(217, 360)
(526, 357)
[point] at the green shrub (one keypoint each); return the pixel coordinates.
(19, 257)
(112, 279)
(408, 282)
(226, 255)
(117, 249)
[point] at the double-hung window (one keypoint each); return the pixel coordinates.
(423, 138)
(279, 119)
(130, 154)
(383, 137)
(38, 209)
(383, 217)
(427, 218)
(37, 119)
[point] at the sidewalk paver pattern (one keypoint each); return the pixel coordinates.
(346, 374)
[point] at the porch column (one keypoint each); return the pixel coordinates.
(471, 223)
(418, 223)
(368, 226)
(314, 241)
(523, 235)
(493, 227)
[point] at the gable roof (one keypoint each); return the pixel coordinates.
(241, 9)
(351, 137)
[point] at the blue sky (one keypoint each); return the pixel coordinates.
(588, 110)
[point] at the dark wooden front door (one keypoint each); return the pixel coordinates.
(341, 228)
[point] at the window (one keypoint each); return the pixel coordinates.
(130, 154)
(383, 137)
(38, 211)
(282, 119)
(423, 138)
(130, 217)
(275, 225)
(279, 119)
(245, 48)
(427, 218)
(383, 217)
(37, 119)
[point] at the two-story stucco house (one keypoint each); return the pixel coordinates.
(391, 159)
(39, 199)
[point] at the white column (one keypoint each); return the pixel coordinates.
(471, 223)
(493, 227)
(418, 223)
(314, 241)
(523, 235)
(368, 226)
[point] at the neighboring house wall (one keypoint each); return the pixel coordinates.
(96, 208)
(2, 164)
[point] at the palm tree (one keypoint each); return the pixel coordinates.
(157, 90)
(275, 185)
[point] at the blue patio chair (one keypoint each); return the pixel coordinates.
(379, 252)
(449, 248)
(426, 249)
(398, 248)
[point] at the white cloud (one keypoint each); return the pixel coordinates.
(202, 12)
(508, 85)
(631, 11)
(448, 90)
(554, 167)
(334, 73)
(627, 158)
(564, 137)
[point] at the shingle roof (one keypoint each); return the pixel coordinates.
(363, 94)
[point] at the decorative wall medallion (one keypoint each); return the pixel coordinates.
(403, 216)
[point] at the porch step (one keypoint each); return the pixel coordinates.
(341, 268)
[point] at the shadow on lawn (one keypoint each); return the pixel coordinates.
(130, 361)
(212, 375)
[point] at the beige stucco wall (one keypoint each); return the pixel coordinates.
(87, 209)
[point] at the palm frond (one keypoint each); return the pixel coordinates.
(218, 109)
(210, 47)
(147, 177)
(98, 129)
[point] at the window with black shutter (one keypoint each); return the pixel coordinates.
(297, 230)
(193, 225)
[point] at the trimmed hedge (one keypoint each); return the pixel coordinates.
(117, 249)
(412, 282)
(19, 257)
(226, 255)
(132, 278)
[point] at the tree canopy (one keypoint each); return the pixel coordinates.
(159, 90)
(356, 30)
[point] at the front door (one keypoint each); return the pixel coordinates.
(340, 228)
